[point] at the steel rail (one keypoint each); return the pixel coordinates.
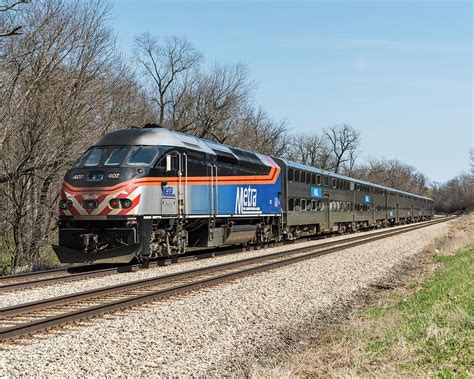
(59, 275)
(62, 319)
(60, 300)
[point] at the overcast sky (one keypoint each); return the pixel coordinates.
(400, 72)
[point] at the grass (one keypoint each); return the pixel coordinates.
(424, 328)
(434, 328)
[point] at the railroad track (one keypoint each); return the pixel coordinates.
(62, 275)
(34, 317)
(40, 278)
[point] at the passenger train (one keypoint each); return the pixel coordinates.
(153, 192)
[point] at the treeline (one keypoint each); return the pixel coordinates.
(64, 83)
(457, 194)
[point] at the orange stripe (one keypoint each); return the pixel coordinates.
(270, 178)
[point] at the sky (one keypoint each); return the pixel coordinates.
(399, 72)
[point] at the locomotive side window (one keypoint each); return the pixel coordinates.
(333, 183)
(326, 180)
(117, 156)
(303, 176)
(313, 205)
(308, 177)
(313, 178)
(318, 180)
(142, 156)
(291, 204)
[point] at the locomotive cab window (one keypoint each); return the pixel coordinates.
(116, 156)
(142, 156)
(92, 157)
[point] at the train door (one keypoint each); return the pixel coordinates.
(182, 187)
(213, 198)
(372, 206)
(326, 212)
(168, 192)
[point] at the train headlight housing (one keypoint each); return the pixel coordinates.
(65, 204)
(126, 203)
(114, 203)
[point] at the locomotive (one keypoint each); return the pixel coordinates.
(152, 192)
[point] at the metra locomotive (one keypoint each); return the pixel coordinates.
(142, 193)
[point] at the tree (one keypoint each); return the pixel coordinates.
(64, 85)
(344, 142)
(168, 63)
(8, 21)
(394, 174)
(311, 149)
(253, 130)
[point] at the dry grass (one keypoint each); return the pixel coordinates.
(423, 327)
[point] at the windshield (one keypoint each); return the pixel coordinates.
(142, 156)
(113, 156)
(92, 157)
(116, 156)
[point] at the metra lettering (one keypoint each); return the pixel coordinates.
(246, 200)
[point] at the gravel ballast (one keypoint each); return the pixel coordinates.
(215, 331)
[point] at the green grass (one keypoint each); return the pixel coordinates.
(431, 331)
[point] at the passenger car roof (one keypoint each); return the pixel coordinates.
(300, 166)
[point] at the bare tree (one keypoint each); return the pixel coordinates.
(217, 95)
(167, 64)
(7, 23)
(456, 195)
(344, 142)
(64, 86)
(253, 130)
(392, 173)
(311, 149)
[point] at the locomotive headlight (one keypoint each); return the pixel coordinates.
(126, 203)
(114, 203)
